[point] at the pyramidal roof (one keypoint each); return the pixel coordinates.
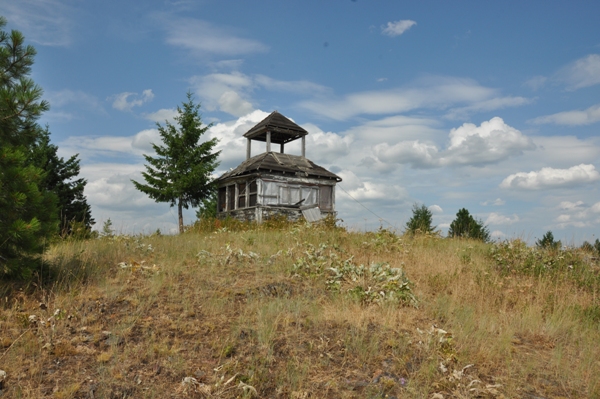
(280, 163)
(282, 129)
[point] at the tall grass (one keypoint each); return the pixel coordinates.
(230, 309)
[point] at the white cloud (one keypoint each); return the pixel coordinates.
(162, 115)
(578, 214)
(436, 209)
(491, 142)
(232, 103)
(496, 202)
(231, 92)
(228, 92)
(397, 28)
(93, 147)
(582, 73)
(487, 105)
(370, 191)
(496, 218)
(46, 22)
(497, 235)
(552, 178)
(292, 86)
(202, 38)
(393, 129)
(536, 83)
(567, 205)
(122, 104)
(572, 118)
(431, 92)
(67, 105)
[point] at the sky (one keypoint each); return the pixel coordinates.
(489, 106)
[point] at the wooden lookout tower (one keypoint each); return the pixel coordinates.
(275, 183)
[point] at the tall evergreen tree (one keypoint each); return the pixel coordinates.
(61, 179)
(420, 222)
(466, 226)
(181, 172)
(27, 214)
(547, 242)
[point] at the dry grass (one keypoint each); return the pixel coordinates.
(253, 312)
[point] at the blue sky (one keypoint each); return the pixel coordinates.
(490, 106)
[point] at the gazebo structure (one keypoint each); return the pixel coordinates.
(275, 183)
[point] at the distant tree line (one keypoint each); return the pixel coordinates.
(41, 195)
(463, 226)
(466, 226)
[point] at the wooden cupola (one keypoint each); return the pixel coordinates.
(276, 129)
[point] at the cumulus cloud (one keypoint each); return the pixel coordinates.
(552, 178)
(572, 118)
(227, 92)
(202, 38)
(491, 142)
(370, 191)
(48, 22)
(578, 214)
(496, 218)
(584, 72)
(397, 28)
(122, 103)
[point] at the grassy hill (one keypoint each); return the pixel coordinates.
(298, 311)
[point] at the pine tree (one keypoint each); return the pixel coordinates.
(466, 226)
(420, 222)
(181, 174)
(61, 178)
(548, 242)
(27, 214)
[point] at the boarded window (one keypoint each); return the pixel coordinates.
(242, 195)
(289, 195)
(222, 204)
(325, 198)
(230, 198)
(309, 195)
(253, 193)
(269, 193)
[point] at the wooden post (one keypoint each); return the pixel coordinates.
(248, 146)
(303, 146)
(268, 141)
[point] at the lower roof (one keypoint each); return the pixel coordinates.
(284, 163)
